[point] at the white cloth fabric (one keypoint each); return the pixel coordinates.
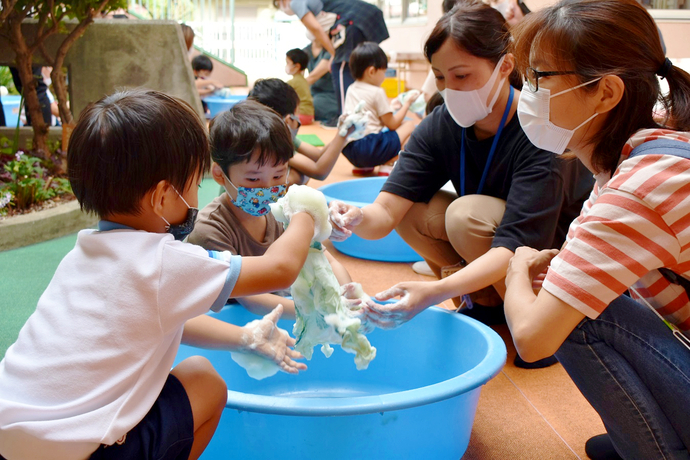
(92, 359)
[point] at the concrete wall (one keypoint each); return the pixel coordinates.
(117, 54)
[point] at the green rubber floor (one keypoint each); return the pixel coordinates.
(25, 273)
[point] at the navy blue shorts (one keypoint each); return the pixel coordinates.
(167, 431)
(373, 149)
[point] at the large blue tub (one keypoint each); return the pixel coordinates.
(361, 192)
(416, 400)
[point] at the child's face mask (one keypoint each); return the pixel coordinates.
(180, 231)
(256, 201)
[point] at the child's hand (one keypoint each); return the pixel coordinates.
(264, 338)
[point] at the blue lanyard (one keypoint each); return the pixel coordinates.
(491, 152)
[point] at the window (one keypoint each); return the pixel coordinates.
(668, 9)
(401, 10)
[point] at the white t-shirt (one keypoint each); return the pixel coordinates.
(375, 101)
(92, 359)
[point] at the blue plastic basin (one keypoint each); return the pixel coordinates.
(361, 192)
(10, 106)
(221, 104)
(416, 400)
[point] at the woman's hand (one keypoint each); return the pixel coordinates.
(531, 263)
(415, 296)
(262, 337)
(344, 217)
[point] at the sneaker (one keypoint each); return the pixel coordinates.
(330, 124)
(540, 364)
(601, 448)
(422, 268)
(385, 170)
(362, 171)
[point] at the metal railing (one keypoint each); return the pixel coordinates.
(257, 47)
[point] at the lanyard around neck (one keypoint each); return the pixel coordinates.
(491, 152)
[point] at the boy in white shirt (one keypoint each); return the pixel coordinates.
(368, 64)
(89, 375)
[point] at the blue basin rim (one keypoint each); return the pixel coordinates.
(484, 371)
(325, 189)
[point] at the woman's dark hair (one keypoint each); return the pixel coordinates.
(126, 143)
(476, 28)
(595, 38)
(237, 133)
(299, 57)
(365, 55)
(276, 94)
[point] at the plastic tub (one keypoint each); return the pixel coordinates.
(220, 104)
(361, 192)
(10, 106)
(416, 400)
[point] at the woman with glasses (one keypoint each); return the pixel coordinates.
(613, 305)
(508, 192)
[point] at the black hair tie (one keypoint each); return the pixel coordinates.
(665, 68)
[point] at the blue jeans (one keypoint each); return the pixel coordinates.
(636, 375)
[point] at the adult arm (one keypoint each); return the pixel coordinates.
(371, 222)
(312, 24)
(415, 297)
(539, 324)
(321, 69)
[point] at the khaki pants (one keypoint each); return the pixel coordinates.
(449, 229)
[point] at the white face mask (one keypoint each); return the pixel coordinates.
(468, 107)
(533, 113)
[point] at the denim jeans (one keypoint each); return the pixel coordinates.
(636, 375)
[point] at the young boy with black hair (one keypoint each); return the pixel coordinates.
(251, 148)
(202, 66)
(309, 161)
(296, 62)
(368, 64)
(89, 375)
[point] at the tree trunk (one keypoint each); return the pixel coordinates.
(24, 60)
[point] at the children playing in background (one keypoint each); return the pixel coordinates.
(251, 148)
(89, 375)
(368, 64)
(202, 66)
(296, 62)
(309, 161)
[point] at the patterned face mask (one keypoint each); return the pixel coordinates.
(256, 201)
(180, 231)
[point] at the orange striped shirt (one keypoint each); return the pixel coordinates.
(633, 223)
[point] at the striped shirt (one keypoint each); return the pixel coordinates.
(633, 223)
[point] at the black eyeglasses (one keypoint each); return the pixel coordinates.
(533, 77)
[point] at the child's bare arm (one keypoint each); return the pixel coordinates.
(313, 153)
(340, 272)
(279, 266)
(322, 166)
(392, 120)
(264, 303)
